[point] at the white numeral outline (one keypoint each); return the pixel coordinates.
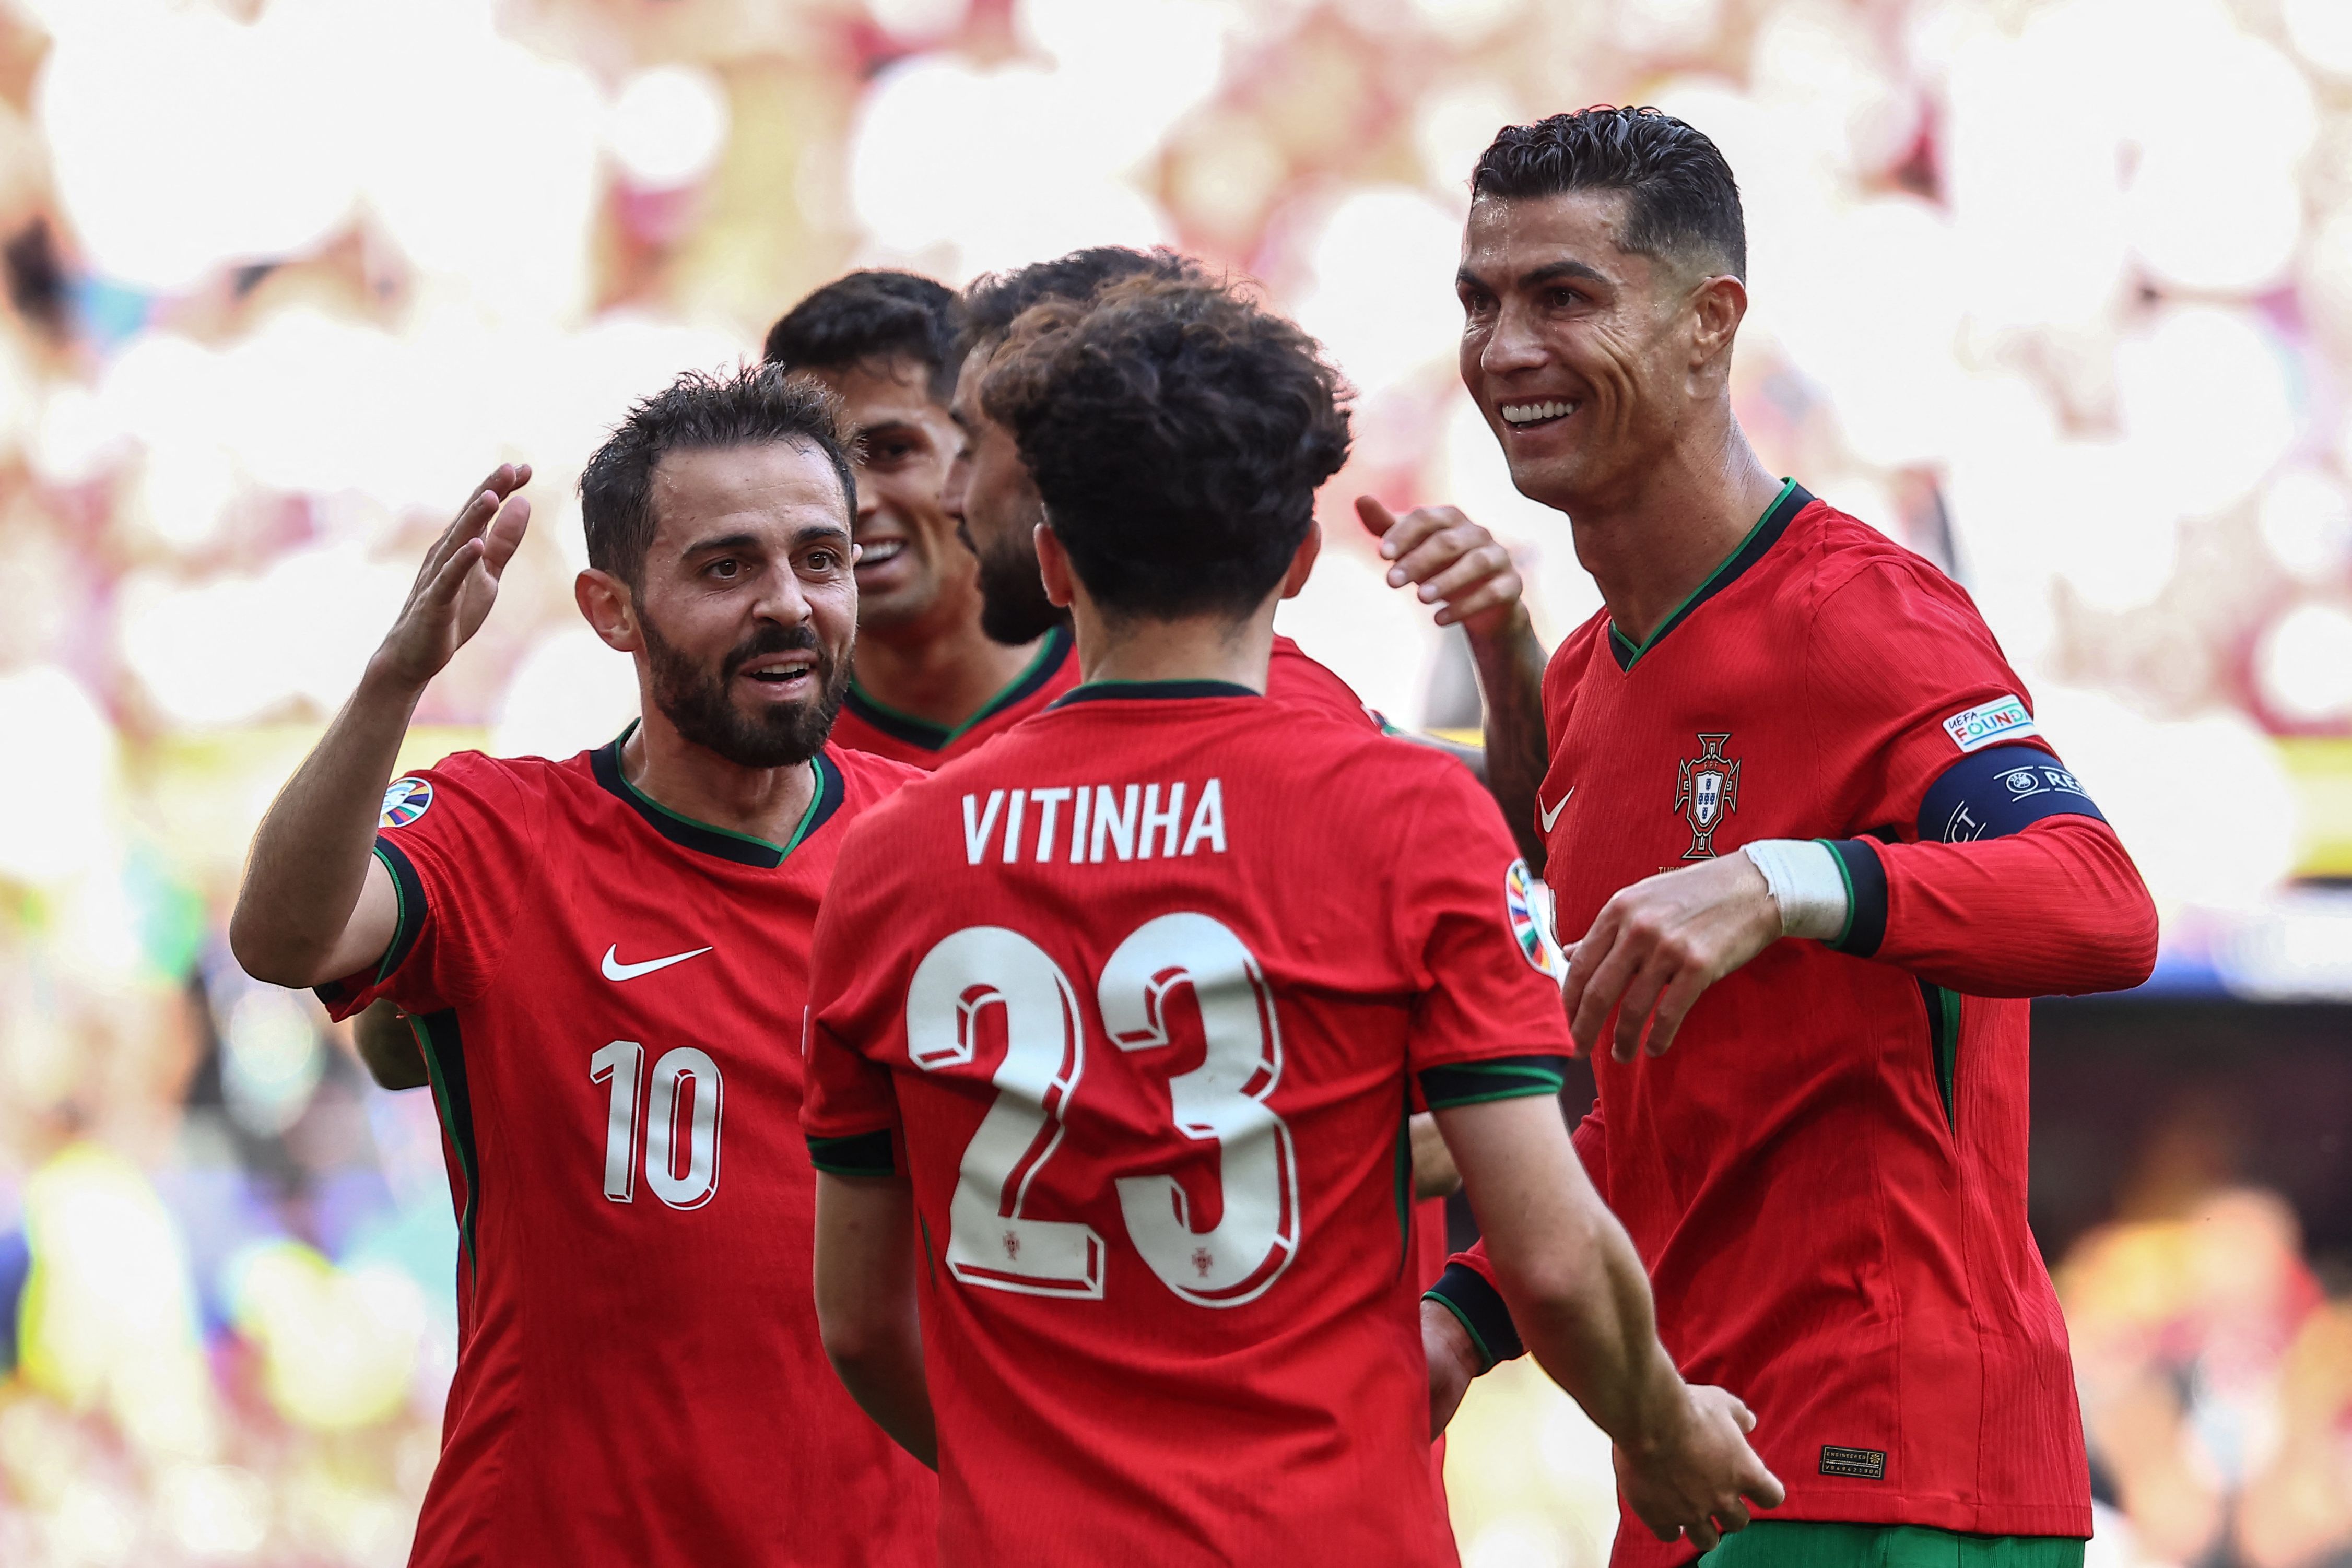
(623, 1062)
(993, 1239)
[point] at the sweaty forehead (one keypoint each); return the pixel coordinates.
(781, 486)
(1506, 237)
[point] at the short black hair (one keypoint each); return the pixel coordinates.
(1681, 199)
(748, 407)
(992, 301)
(1177, 432)
(871, 317)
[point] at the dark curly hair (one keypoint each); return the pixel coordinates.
(749, 407)
(1177, 432)
(992, 301)
(872, 317)
(1681, 200)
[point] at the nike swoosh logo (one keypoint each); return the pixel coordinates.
(617, 970)
(1553, 815)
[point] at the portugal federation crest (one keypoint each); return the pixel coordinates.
(1706, 791)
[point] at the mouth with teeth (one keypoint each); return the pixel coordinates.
(873, 553)
(1529, 415)
(780, 675)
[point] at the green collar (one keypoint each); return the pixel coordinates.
(724, 843)
(1793, 498)
(929, 737)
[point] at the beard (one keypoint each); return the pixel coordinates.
(697, 702)
(1013, 608)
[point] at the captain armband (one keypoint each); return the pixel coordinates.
(1479, 1308)
(2001, 790)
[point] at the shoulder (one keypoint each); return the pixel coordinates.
(1575, 655)
(1853, 569)
(867, 779)
(475, 779)
(1296, 678)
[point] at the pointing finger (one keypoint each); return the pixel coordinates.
(1377, 518)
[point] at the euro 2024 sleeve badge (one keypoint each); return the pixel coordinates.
(1528, 902)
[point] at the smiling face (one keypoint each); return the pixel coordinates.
(748, 607)
(910, 563)
(997, 505)
(1586, 359)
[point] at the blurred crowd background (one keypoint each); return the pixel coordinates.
(2058, 292)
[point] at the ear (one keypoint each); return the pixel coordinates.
(1717, 306)
(1053, 566)
(608, 606)
(1302, 564)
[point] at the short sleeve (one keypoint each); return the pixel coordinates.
(462, 843)
(1475, 933)
(1904, 680)
(849, 1111)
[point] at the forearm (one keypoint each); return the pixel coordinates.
(1595, 1334)
(2055, 909)
(310, 855)
(1510, 665)
(866, 1308)
(887, 1382)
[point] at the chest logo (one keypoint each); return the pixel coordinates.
(617, 970)
(1706, 791)
(1551, 814)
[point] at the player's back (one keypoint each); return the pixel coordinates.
(1158, 965)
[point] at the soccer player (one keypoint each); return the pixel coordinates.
(929, 683)
(1820, 854)
(607, 960)
(1113, 1018)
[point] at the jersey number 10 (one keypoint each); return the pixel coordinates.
(996, 1238)
(680, 1073)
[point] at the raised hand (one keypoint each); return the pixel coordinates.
(1458, 565)
(1655, 945)
(1698, 1479)
(458, 581)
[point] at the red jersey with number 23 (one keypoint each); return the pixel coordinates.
(1133, 995)
(611, 1001)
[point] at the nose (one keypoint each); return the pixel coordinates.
(1515, 344)
(951, 489)
(782, 599)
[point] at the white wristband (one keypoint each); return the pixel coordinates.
(1806, 884)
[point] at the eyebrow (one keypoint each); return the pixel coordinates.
(722, 541)
(1540, 276)
(891, 427)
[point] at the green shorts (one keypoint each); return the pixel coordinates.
(1807, 1543)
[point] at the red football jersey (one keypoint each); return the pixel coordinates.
(1826, 1175)
(1145, 1045)
(611, 998)
(865, 725)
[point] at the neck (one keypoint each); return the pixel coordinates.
(1199, 648)
(695, 781)
(1651, 542)
(940, 674)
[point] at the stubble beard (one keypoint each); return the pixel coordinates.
(1013, 609)
(698, 705)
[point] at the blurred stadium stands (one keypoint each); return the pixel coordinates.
(2057, 291)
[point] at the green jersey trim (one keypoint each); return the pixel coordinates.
(438, 1037)
(724, 844)
(1455, 1084)
(1151, 691)
(858, 1154)
(922, 734)
(1793, 498)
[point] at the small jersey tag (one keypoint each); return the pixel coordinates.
(1988, 722)
(1860, 1464)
